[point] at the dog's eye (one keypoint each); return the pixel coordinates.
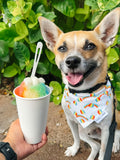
(89, 46)
(62, 49)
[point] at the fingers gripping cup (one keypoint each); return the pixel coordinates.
(32, 113)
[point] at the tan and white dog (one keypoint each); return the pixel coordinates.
(81, 57)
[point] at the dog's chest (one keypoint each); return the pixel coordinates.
(86, 109)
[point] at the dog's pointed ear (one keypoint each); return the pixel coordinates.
(50, 32)
(108, 27)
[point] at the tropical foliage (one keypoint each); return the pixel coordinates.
(20, 31)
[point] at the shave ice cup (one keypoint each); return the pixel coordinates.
(32, 113)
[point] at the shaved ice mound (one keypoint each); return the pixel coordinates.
(32, 87)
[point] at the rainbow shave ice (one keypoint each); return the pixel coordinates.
(32, 87)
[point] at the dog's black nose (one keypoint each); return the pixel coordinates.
(73, 62)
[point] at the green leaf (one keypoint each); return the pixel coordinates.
(10, 71)
(117, 77)
(81, 17)
(13, 102)
(112, 78)
(48, 15)
(115, 41)
(117, 93)
(14, 8)
(118, 105)
(8, 35)
(92, 3)
(22, 53)
(40, 9)
(17, 19)
(114, 67)
(34, 35)
(5, 59)
(32, 16)
(50, 55)
(1, 1)
(112, 57)
(42, 68)
(29, 65)
(82, 13)
(21, 30)
(8, 16)
(84, 10)
(2, 26)
(33, 47)
(117, 49)
(22, 65)
(118, 41)
(107, 4)
(44, 2)
(3, 49)
(96, 17)
(21, 3)
(51, 98)
(111, 75)
(17, 68)
(57, 99)
(57, 89)
(11, 5)
(19, 79)
(27, 8)
(66, 7)
(117, 86)
(107, 51)
(33, 24)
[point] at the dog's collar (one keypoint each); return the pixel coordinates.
(90, 90)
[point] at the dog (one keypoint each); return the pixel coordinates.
(81, 57)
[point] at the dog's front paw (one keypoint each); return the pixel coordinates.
(101, 155)
(116, 144)
(71, 151)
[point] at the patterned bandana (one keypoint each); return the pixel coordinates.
(88, 108)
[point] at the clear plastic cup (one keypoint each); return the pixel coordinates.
(32, 113)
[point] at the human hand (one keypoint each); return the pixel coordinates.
(16, 139)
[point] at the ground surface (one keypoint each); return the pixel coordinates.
(59, 133)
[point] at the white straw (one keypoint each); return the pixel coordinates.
(37, 57)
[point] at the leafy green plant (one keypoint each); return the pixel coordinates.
(57, 92)
(20, 31)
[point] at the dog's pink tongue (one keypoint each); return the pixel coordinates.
(74, 78)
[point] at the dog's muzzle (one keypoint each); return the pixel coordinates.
(75, 76)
